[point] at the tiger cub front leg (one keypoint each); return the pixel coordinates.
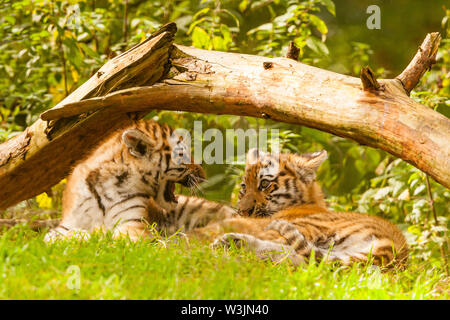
(62, 233)
(264, 249)
(131, 223)
(135, 230)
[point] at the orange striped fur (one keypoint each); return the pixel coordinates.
(111, 189)
(284, 216)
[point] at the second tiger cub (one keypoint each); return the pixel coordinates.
(286, 216)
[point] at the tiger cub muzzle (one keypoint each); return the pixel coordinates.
(193, 176)
(253, 204)
(273, 182)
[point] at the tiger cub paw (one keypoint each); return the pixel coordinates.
(232, 239)
(58, 234)
(79, 234)
(52, 235)
(289, 231)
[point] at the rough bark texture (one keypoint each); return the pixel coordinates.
(293, 51)
(280, 89)
(368, 80)
(44, 153)
(422, 61)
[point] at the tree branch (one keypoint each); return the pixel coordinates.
(43, 154)
(422, 61)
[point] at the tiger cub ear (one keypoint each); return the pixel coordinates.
(254, 155)
(138, 143)
(313, 160)
(307, 164)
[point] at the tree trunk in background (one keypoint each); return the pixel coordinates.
(44, 153)
(375, 113)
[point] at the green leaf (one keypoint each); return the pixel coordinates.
(419, 189)
(263, 27)
(73, 54)
(243, 5)
(319, 24)
(219, 44)
(200, 38)
(317, 46)
(226, 35)
(83, 37)
(194, 24)
(236, 20)
(329, 4)
(88, 51)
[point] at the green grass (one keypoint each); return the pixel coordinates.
(31, 269)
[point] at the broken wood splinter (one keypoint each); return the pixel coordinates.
(368, 79)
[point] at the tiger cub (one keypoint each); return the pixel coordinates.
(286, 217)
(112, 187)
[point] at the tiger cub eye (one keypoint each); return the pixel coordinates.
(264, 184)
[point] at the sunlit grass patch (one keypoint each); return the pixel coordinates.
(176, 269)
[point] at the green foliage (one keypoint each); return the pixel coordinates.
(294, 21)
(399, 193)
(165, 269)
(434, 89)
(209, 29)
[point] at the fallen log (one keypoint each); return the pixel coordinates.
(44, 153)
(377, 113)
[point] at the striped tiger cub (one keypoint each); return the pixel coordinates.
(111, 188)
(285, 217)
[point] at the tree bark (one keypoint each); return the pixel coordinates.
(380, 114)
(44, 153)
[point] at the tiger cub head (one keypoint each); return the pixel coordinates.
(273, 182)
(161, 157)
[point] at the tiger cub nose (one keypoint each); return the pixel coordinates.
(247, 211)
